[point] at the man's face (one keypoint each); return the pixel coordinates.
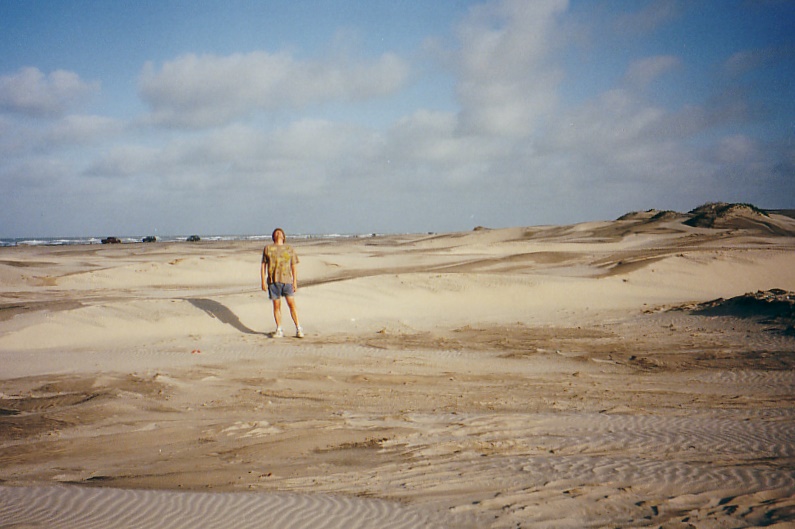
(278, 237)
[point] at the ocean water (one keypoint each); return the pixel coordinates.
(64, 241)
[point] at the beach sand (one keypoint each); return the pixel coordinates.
(606, 374)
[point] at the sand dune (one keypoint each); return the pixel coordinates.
(606, 374)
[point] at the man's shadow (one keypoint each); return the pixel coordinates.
(221, 313)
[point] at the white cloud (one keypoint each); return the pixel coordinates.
(83, 129)
(307, 156)
(14, 140)
(603, 124)
(655, 14)
(507, 85)
(124, 160)
(427, 136)
(617, 149)
(31, 92)
(737, 149)
(41, 172)
(746, 61)
(25, 137)
(319, 140)
(643, 72)
(427, 149)
(209, 90)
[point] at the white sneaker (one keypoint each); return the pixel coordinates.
(299, 332)
(279, 333)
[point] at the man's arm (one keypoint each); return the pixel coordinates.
(263, 271)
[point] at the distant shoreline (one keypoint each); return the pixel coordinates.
(74, 241)
(88, 240)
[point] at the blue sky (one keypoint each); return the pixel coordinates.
(210, 117)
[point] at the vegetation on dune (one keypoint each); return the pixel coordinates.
(722, 209)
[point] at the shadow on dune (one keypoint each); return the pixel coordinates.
(221, 313)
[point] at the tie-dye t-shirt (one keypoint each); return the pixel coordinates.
(280, 260)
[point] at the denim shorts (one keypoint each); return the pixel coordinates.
(277, 290)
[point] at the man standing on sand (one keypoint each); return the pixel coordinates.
(279, 279)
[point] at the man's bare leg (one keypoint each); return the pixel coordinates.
(277, 313)
(293, 310)
(294, 313)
